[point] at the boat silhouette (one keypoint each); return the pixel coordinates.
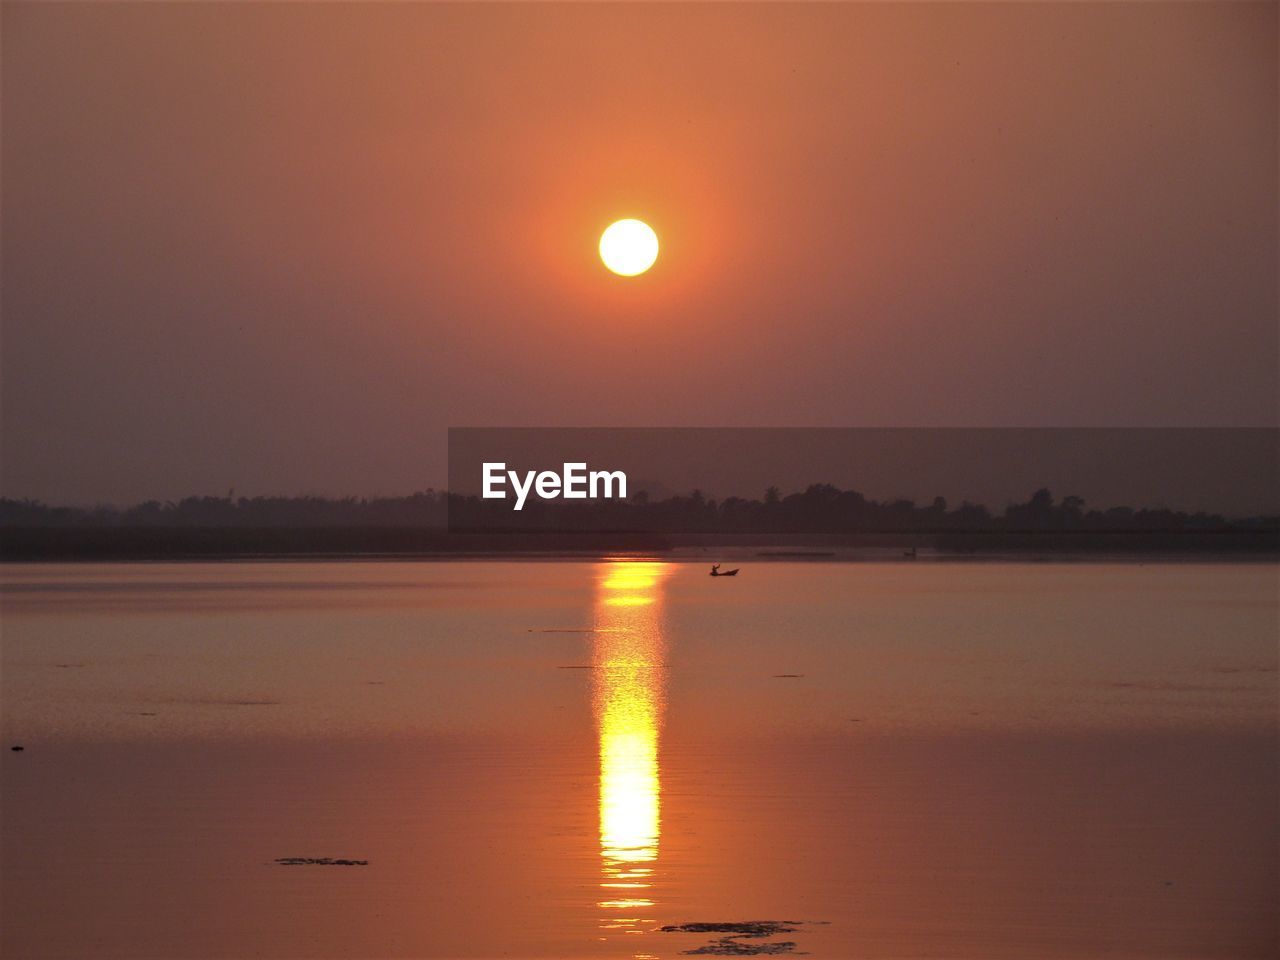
(715, 571)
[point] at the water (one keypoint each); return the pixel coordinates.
(556, 759)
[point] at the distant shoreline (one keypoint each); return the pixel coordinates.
(115, 544)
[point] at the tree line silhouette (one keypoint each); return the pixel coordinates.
(820, 508)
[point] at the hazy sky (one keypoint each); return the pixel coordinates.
(282, 247)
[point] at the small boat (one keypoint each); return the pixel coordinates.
(716, 572)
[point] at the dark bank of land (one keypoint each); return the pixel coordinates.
(232, 543)
(821, 521)
(194, 543)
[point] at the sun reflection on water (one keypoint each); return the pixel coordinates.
(628, 652)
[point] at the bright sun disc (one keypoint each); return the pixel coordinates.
(629, 247)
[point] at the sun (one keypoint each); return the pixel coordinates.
(629, 247)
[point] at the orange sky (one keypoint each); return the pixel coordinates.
(282, 247)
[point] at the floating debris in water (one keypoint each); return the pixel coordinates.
(749, 928)
(319, 862)
(574, 666)
(736, 933)
(731, 947)
(784, 676)
(16, 748)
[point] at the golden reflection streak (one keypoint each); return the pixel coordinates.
(628, 653)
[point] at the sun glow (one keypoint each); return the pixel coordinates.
(629, 247)
(628, 653)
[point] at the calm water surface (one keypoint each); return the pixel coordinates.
(557, 759)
